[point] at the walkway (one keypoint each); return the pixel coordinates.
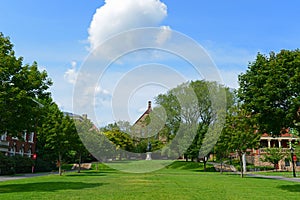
(231, 168)
(274, 177)
(21, 176)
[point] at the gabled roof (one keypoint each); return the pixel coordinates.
(143, 116)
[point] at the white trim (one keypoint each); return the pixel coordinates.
(31, 137)
(4, 136)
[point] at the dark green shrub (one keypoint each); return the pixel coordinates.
(7, 165)
(23, 164)
(44, 166)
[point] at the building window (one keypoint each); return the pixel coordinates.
(15, 138)
(287, 162)
(3, 136)
(298, 163)
(30, 137)
(24, 135)
(13, 151)
(29, 153)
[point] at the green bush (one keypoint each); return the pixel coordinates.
(7, 165)
(15, 164)
(44, 166)
(23, 164)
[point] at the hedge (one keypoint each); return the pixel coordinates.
(15, 164)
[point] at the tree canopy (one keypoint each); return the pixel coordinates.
(239, 134)
(20, 87)
(195, 106)
(270, 89)
(58, 132)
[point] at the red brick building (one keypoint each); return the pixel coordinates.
(24, 145)
(284, 141)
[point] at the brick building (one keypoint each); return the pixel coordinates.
(284, 141)
(24, 145)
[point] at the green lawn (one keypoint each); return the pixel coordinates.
(179, 181)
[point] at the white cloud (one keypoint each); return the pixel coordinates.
(164, 35)
(116, 16)
(72, 73)
(99, 90)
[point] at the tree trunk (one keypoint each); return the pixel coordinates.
(79, 163)
(204, 163)
(59, 164)
(221, 170)
(244, 162)
(241, 165)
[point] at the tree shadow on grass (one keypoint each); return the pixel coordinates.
(208, 169)
(47, 186)
(290, 188)
(93, 173)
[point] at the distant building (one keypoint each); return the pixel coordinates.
(75, 116)
(284, 141)
(140, 125)
(24, 144)
(142, 118)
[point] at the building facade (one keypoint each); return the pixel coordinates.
(285, 141)
(24, 145)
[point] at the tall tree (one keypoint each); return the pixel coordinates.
(240, 133)
(85, 132)
(20, 87)
(195, 106)
(59, 132)
(270, 90)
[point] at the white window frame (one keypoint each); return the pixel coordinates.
(31, 137)
(4, 136)
(24, 135)
(29, 153)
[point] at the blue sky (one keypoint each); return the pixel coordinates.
(56, 34)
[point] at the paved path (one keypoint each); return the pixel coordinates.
(274, 177)
(7, 178)
(15, 177)
(230, 168)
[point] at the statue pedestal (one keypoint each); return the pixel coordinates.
(148, 156)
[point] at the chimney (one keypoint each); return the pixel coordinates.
(149, 105)
(84, 116)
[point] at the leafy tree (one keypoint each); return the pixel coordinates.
(181, 107)
(85, 129)
(222, 150)
(274, 155)
(270, 90)
(20, 87)
(190, 107)
(171, 105)
(120, 139)
(240, 133)
(59, 132)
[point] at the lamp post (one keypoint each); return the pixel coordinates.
(34, 156)
(293, 161)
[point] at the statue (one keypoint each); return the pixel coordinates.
(149, 147)
(148, 153)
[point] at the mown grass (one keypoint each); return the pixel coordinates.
(178, 181)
